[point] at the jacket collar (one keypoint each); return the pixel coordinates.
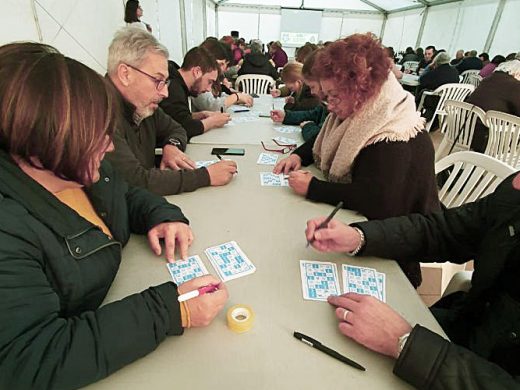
(175, 77)
(39, 202)
(128, 109)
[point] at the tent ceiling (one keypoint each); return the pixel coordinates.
(359, 5)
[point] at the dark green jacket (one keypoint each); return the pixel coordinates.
(483, 324)
(316, 116)
(134, 154)
(55, 271)
(304, 100)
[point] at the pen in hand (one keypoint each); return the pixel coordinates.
(220, 158)
(327, 220)
(319, 346)
(198, 292)
(221, 110)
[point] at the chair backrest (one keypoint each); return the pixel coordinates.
(504, 137)
(474, 79)
(467, 74)
(460, 123)
(410, 65)
(473, 176)
(255, 83)
(452, 91)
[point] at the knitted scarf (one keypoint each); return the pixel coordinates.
(389, 116)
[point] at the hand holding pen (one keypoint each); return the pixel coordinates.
(211, 296)
(312, 228)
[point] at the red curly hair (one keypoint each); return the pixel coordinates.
(358, 65)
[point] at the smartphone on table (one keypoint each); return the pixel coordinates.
(228, 151)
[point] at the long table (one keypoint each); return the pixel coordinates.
(250, 133)
(268, 223)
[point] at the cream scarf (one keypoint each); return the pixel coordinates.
(389, 116)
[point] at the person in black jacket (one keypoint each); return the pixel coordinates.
(256, 63)
(66, 214)
(440, 73)
(483, 324)
(198, 73)
(498, 92)
(469, 63)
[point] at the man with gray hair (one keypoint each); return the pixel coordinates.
(470, 62)
(440, 73)
(138, 69)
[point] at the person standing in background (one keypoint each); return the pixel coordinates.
(133, 14)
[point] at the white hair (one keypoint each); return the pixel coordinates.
(441, 58)
(130, 45)
(511, 67)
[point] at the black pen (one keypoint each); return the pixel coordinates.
(319, 346)
(220, 158)
(221, 110)
(326, 222)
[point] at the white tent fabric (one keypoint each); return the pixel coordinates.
(83, 29)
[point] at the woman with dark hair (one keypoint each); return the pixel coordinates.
(491, 66)
(133, 14)
(278, 55)
(222, 95)
(66, 214)
(372, 149)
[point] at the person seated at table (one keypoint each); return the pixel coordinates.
(256, 63)
(409, 55)
(198, 74)
(278, 55)
(221, 95)
(483, 350)
(459, 56)
(491, 66)
(66, 214)
(396, 70)
(471, 62)
(312, 120)
(440, 73)
(484, 57)
(303, 98)
(139, 72)
(304, 51)
(372, 148)
(498, 92)
(429, 54)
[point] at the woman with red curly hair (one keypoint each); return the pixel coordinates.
(372, 148)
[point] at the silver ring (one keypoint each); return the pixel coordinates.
(345, 315)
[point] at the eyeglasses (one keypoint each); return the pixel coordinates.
(286, 148)
(159, 84)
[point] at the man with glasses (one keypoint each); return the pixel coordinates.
(198, 73)
(138, 68)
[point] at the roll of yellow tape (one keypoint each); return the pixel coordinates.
(240, 318)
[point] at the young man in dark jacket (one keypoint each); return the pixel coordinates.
(482, 324)
(198, 73)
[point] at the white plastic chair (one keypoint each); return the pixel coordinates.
(473, 176)
(255, 83)
(453, 91)
(411, 66)
(474, 79)
(504, 137)
(460, 124)
(467, 74)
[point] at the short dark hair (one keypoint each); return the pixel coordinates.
(220, 50)
(431, 47)
(199, 56)
(131, 11)
(485, 56)
(309, 64)
(55, 109)
(498, 59)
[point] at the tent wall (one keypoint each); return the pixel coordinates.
(76, 30)
(462, 25)
(264, 23)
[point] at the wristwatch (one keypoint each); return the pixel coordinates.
(174, 142)
(401, 343)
